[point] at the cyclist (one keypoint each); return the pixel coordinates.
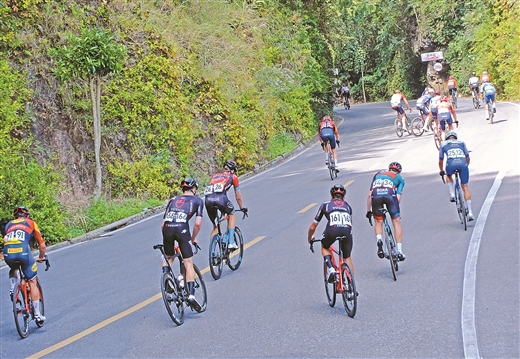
(434, 103)
(386, 189)
(446, 114)
(423, 104)
(327, 131)
(17, 250)
(489, 92)
(473, 84)
(485, 77)
(345, 93)
(175, 228)
(452, 86)
(395, 103)
(457, 158)
(216, 196)
(339, 223)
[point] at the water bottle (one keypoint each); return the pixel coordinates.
(180, 278)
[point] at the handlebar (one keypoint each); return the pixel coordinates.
(311, 243)
(244, 210)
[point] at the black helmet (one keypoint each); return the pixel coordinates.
(338, 189)
(231, 165)
(188, 183)
(395, 166)
(21, 211)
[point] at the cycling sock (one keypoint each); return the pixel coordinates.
(451, 186)
(379, 237)
(191, 288)
(231, 232)
(399, 247)
(36, 306)
(328, 261)
(468, 203)
(13, 283)
(336, 163)
(326, 156)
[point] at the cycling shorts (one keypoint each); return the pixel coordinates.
(464, 172)
(423, 108)
(444, 117)
(451, 89)
(399, 109)
(434, 112)
(219, 201)
(330, 235)
(474, 87)
(392, 205)
(489, 97)
(177, 232)
(20, 254)
(327, 134)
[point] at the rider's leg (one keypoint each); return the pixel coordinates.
(232, 220)
(467, 196)
(13, 278)
(451, 187)
(350, 264)
(35, 296)
(190, 272)
(398, 233)
(335, 155)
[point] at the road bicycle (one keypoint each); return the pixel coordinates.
(400, 127)
(22, 302)
(330, 162)
(346, 102)
(476, 100)
(220, 253)
(390, 248)
(460, 201)
(433, 125)
(343, 280)
(174, 292)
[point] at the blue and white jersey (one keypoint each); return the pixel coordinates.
(424, 100)
(455, 151)
(488, 89)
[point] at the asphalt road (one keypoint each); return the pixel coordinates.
(456, 295)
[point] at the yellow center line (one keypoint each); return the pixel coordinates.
(307, 208)
(116, 317)
(348, 183)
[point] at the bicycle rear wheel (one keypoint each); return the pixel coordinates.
(330, 288)
(200, 289)
(235, 257)
(408, 125)
(42, 304)
(398, 127)
(172, 299)
(475, 102)
(417, 126)
(349, 293)
(332, 172)
(21, 317)
(463, 211)
(216, 262)
(390, 247)
(458, 203)
(491, 114)
(437, 139)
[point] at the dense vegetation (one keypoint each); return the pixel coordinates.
(203, 81)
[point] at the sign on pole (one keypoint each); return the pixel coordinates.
(437, 66)
(431, 56)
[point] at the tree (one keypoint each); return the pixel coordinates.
(92, 55)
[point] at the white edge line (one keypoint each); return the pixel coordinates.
(469, 332)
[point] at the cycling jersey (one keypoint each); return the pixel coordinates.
(444, 113)
(489, 92)
(339, 223)
(175, 225)
(395, 100)
(473, 82)
(485, 78)
(17, 245)
(216, 194)
(456, 158)
(423, 102)
(452, 84)
(434, 103)
(386, 185)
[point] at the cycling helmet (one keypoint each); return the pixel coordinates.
(188, 183)
(484, 73)
(338, 189)
(473, 74)
(444, 98)
(326, 118)
(451, 134)
(437, 93)
(395, 166)
(451, 77)
(231, 165)
(21, 211)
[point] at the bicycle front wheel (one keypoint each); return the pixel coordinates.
(200, 289)
(349, 293)
(42, 303)
(235, 257)
(417, 126)
(330, 288)
(437, 139)
(21, 317)
(216, 261)
(408, 125)
(398, 127)
(172, 299)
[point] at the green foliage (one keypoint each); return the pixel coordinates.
(22, 180)
(94, 51)
(279, 144)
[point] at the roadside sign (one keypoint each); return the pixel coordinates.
(437, 67)
(432, 56)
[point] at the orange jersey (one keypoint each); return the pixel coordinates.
(328, 124)
(452, 83)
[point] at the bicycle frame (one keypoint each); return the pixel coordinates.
(390, 243)
(460, 201)
(331, 161)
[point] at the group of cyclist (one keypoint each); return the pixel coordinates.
(182, 208)
(483, 88)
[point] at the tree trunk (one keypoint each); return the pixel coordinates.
(95, 94)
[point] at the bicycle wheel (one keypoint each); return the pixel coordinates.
(330, 288)
(200, 289)
(398, 127)
(463, 210)
(475, 102)
(391, 255)
(42, 304)
(216, 257)
(171, 298)
(437, 139)
(21, 317)
(491, 114)
(417, 126)
(458, 203)
(349, 293)
(235, 257)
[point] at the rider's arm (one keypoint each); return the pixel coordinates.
(41, 243)
(312, 229)
(369, 200)
(196, 229)
(336, 133)
(238, 196)
(406, 102)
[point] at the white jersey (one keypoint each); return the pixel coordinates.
(396, 99)
(473, 80)
(435, 101)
